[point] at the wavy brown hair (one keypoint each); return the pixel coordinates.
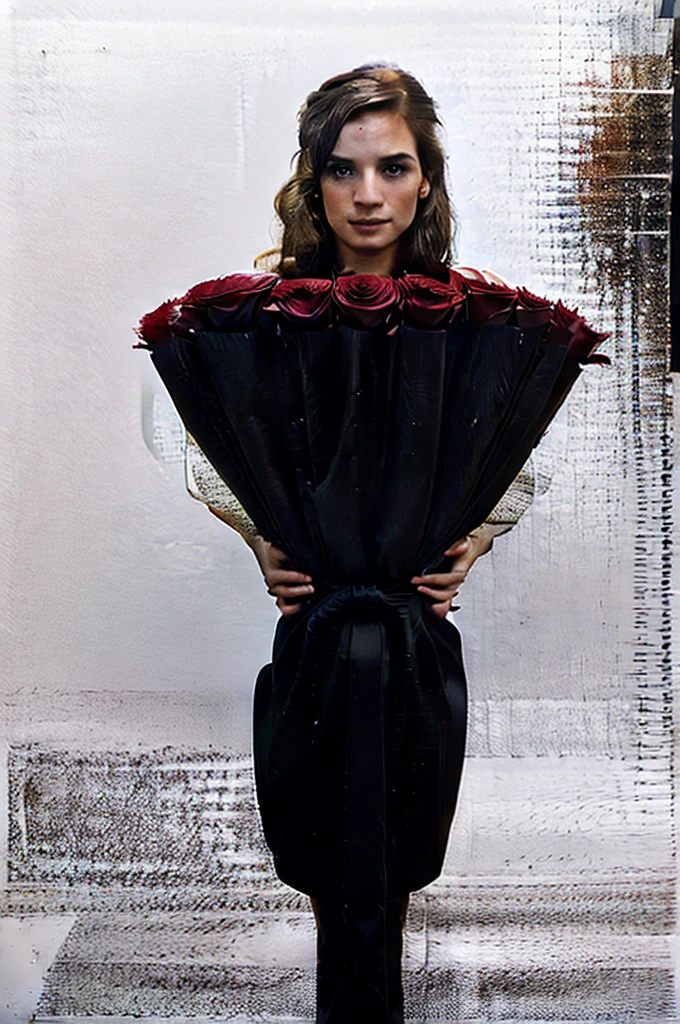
(307, 245)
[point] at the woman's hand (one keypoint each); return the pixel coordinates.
(283, 580)
(286, 583)
(442, 587)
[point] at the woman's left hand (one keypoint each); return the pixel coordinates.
(442, 587)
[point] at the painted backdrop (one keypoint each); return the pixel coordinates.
(147, 141)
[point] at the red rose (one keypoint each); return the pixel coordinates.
(458, 280)
(561, 323)
(230, 303)
(531, 310)
(570, 329)
(303, 301)
(584, 343)
(367, 300)
(490, 303)
(229, 291)
(155, 328)
(430, 303)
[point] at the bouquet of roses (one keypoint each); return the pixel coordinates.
(364, 424)
(366, 301)
(483, 366)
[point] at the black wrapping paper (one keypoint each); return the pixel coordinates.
(363, 454)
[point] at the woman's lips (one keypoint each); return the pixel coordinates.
(368, 225)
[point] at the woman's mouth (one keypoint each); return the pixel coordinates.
(368, 225)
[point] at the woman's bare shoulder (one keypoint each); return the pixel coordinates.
(486, 275)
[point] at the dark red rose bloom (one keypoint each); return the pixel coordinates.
(303, 301)
(230, 303)
(156, 328)
(490, 303)
(570, 329)
(230, 290)
(458, 281)
(531, 310)
(194, 318)
(367, 300)
(561, 323)
(430, 303)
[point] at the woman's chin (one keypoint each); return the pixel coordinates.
(374, 246)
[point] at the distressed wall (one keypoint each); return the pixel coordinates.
(147, 145)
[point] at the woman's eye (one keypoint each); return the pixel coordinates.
(394, 170)
(342, 172)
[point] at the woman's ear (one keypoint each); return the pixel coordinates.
(424, 189)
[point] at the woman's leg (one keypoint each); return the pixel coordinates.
(359, 962)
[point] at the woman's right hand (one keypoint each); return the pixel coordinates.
(283, 580)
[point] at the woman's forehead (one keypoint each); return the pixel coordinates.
(375, 132)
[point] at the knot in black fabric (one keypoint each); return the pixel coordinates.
(367, 602)
(360, 601)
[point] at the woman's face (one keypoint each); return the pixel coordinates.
(370, 188)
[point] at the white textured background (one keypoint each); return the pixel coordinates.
(146, 143)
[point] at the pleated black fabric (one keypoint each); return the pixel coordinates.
(359, 743)
(359, 963)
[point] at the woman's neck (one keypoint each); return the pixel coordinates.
(384, 264)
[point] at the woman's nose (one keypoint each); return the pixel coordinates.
(367, 190)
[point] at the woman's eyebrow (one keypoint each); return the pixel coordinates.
(397, 156)
(335, 159)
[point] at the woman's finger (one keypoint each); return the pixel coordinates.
(458, 546)
(439, 595)
(440, 609)
(288, 577)
(440, 579)
(285, 588)
(274, 582)
(282, 590)
(287, 609)
(478, 543)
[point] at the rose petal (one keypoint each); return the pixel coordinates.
(490, 303)
(194, 318)
(229, 290)
(231, 303)
(156, 328)
(430, 303)
(303, 301)
(458, 280)
(584, 341)
(568, 328)
(531, 310)
(367, 300)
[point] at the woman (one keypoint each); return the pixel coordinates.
(368, 196)
(338, 431)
